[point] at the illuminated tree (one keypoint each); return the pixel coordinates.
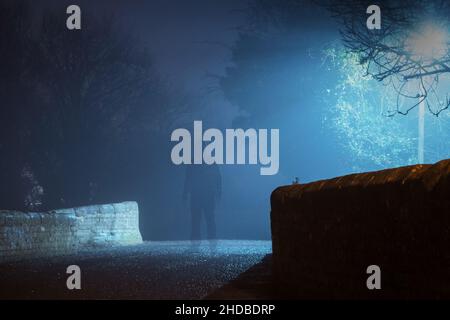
(359, 118)
(410, 52)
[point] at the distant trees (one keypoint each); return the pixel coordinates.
(79, 109)
(277, 78)
(273, 61)
(15, 96)
(98, 87)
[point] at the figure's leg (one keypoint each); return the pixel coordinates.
(210, 219)
(196, 220)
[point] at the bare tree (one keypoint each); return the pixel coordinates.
(79, 109)
(410, 52)
(390, 54)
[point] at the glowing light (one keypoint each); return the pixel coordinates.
(429, 43)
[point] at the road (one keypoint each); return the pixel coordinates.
(152, 270)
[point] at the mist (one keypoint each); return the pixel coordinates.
(95, 132)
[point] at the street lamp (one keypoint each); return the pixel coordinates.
(428, 44)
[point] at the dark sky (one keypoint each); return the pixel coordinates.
(189, 40)
(176, 29)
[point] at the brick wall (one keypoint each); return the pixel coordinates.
(326, 233)
(25, 234)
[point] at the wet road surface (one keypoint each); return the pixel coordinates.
(152, 270)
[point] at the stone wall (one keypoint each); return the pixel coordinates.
(24, 234)
(326, 233)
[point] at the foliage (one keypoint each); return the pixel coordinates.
(358, 116)
(410, 52)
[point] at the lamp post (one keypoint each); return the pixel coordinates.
(421, 138)
(427, 45)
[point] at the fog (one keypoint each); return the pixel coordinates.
(94, 132)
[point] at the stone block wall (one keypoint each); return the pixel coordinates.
(29, 234)
(326, 233)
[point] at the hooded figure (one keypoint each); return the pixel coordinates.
(203, 186)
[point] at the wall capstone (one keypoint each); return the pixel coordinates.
(65, 231)
(326, 233)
